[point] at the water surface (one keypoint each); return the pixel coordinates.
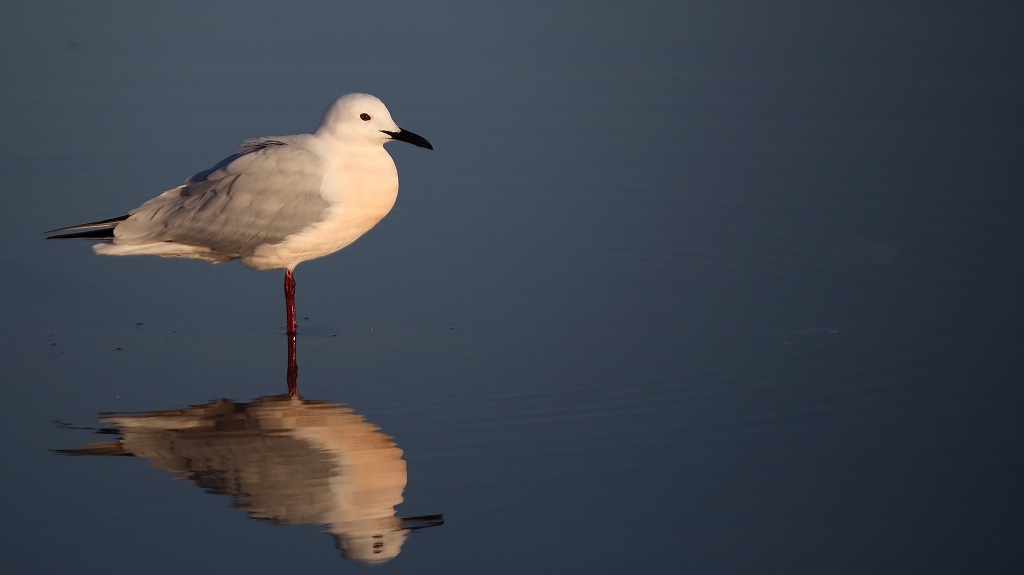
(723, 288)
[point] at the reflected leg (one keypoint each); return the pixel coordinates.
(293, 368)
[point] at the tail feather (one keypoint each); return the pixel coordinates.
(103, 229)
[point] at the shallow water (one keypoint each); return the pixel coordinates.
(706, 289)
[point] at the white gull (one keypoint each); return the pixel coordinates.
(276, 203)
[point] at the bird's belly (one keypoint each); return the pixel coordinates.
(345, 223)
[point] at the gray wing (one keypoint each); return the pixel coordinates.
(266, 192)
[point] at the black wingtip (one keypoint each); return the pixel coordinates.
(107, 224)
(101, 234)
(102, 229)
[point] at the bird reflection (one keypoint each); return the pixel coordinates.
(283, 459)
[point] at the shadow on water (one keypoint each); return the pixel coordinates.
(283, 459)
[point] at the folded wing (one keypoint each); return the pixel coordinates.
(266, 192)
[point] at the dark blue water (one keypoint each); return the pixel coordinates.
(704, 288)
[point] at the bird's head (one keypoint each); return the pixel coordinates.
(362, 118)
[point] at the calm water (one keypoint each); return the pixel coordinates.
(722, 288)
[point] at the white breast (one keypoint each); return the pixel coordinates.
(362, 190)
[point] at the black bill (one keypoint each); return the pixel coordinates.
(407, 136)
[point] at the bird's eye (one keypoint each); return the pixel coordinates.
(364, 117)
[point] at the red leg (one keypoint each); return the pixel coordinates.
(289, 299)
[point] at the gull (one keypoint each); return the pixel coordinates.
(343, 472)
(274, 204)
